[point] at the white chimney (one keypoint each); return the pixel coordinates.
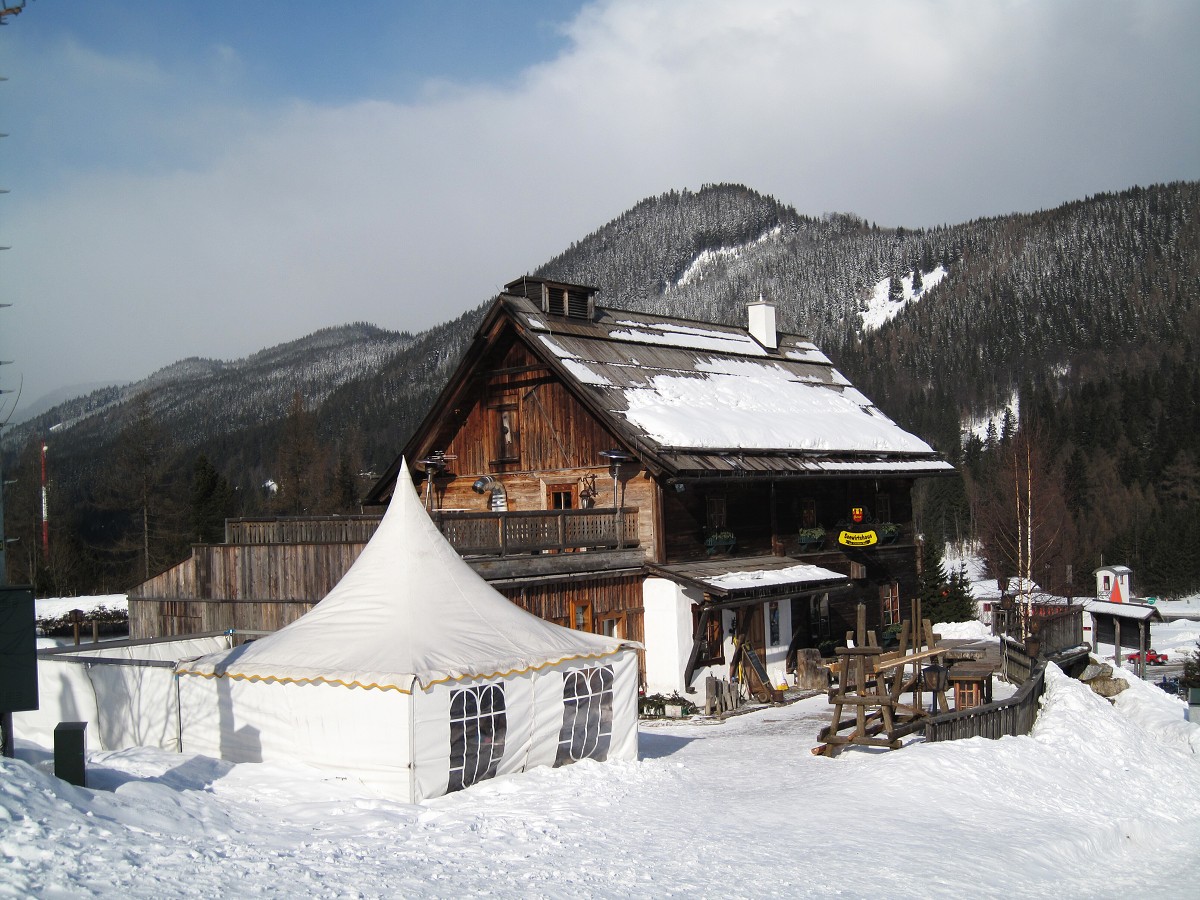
(762, 323)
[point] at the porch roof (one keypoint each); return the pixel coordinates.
(1138, 611)
(752, 578)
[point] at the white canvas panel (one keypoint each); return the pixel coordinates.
(124, 705)
(431, 741)
(136, 707)
(548, 716)
(625, 707)
(358, 733)
(64, 695)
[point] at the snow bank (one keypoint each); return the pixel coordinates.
(1100, 800)
(974, 631)
(53, 607)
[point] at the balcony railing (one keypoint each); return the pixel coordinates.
(538, 531)
(301, 530)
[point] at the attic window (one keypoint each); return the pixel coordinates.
(587, 715)
(570, 302)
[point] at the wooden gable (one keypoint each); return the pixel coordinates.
(511, 413)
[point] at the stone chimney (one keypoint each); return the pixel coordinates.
(762, 323)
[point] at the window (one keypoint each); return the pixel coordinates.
(613, 626)
(587, 715)
(712, 642)
(477, 729)
(506, 432)
(889, 598)
(560, 496)
(883, 507)
(581, 615)
(773, 618)
(716, 514)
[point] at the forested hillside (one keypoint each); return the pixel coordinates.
(1088, 314)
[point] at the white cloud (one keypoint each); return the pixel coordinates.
(214, 226)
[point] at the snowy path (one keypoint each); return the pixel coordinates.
(736, 809)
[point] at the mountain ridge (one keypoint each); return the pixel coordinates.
(1044, 298)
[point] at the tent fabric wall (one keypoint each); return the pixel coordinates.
(534, 709)
(357, 733)
(125, 702)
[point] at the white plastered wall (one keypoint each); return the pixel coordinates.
(667, 623)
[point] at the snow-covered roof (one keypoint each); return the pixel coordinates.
(1137, 611)
(689, 389)
(752, 576)
(762, 578)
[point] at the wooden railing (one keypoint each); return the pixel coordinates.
(306, 530)
(508, 533)
(470, 533)
(1003, 718)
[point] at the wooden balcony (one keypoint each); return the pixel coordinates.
(301, 530)
(538, 531)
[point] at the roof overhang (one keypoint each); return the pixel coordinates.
(736, 582)
(1140, 612)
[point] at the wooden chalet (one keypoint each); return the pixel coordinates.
(705, 489)
(721, 494)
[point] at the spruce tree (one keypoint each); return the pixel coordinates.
(1191, 668)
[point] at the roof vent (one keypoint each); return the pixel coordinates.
(762, 324)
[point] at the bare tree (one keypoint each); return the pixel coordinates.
(1025, 529)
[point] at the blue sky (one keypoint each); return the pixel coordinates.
(208, 179)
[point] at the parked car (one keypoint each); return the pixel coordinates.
(1153, 657)
(1170, 685)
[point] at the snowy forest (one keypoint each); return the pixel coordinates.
(1056, 356)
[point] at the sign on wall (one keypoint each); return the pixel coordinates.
(858, 533)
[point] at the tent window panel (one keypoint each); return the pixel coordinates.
(477, 729)
(587, 715)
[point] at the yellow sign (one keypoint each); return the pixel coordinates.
(858, 538)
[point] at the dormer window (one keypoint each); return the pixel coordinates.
(557, 298)
(567, 300)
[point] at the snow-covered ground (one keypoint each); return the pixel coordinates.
(55, 607)
(881, 309)
(1101, 800)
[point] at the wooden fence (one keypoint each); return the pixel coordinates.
(1003, 718)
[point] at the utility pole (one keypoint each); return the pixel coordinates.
(24, 696)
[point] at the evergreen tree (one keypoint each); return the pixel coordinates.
(1191, 668)
(895, 289)
(211, 503)
(918, 283)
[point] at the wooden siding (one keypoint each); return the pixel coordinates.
(245, 586)
(554, 431)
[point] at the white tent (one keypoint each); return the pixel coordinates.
(415, 676)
